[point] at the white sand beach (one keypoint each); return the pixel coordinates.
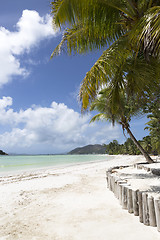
(71, 203)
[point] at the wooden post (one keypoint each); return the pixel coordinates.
(120, 194)
(152, 215)
(140, 207)
(135, 202)
(157, 212)
(124, 196)
(116, 186)
(119, 184)
(129, 200)
(109, 181)
(145, 209)
(112, 183)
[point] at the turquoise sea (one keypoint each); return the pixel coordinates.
(24, 163)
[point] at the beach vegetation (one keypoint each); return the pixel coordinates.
(128, 147)
(154, 129)
(121, 113)
(152, 109)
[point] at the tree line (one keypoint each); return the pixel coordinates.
(128, 147)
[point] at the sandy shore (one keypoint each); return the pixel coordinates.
(67, 203)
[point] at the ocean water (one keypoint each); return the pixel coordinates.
(24, 163)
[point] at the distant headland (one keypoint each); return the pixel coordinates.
(3, 153)
(89, 149)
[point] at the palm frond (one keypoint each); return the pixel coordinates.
(107, 70)
(80, 39)
(98, 117)
(146, 33)
(69, 11)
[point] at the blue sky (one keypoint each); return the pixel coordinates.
(39, 112)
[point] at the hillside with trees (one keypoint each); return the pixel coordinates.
(90, 149)
(3, 153)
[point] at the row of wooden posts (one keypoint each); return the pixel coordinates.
(140, 203)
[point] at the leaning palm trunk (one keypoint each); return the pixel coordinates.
(145, 154)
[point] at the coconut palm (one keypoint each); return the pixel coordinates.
(130, 59)
(125, 109)
(113, 148)
(120, 25)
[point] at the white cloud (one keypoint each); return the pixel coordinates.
(5, 102)
(49, 129)
(31, 29)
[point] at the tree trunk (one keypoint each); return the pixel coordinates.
(145, 154)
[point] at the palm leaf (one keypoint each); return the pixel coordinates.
(80, 39)
(98, 117)
(147, 32)
(118, 69)
(72, 10)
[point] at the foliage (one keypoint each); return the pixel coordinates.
(128, 29)
(121, 113)
(154, 129)
(151, 107)
(128, 147)
(91, 24)
(114, 148)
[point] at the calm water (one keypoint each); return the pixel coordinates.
(18, 163)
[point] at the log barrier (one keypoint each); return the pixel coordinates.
(139, 203)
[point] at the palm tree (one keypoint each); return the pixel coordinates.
(128, 30)
(113, 148)
(131, 147)
(122, 114)
(129, 27)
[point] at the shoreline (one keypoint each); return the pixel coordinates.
(70, 203)
(37, 168)
(40, 170)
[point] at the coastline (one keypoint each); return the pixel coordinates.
(67, 203)
(25, 166)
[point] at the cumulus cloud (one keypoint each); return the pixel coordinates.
(30, 30)
(49, 129)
